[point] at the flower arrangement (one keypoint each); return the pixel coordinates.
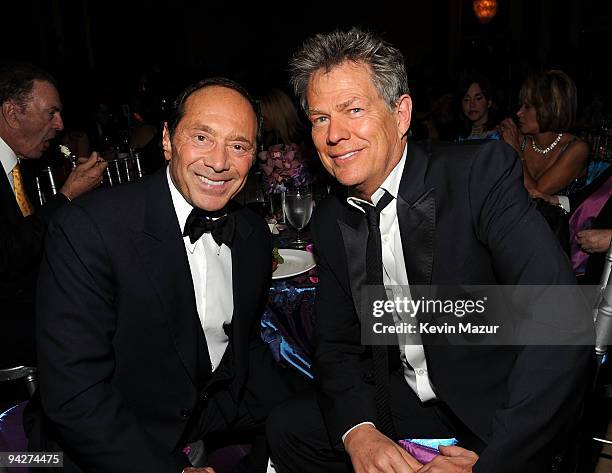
(284, 166)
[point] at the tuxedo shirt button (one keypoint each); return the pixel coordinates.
(420, 372)
(185, 412)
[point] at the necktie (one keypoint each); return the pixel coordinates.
(20, 194)
(380, 356)
(220, 224)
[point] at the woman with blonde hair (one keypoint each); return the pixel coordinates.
(553, 159)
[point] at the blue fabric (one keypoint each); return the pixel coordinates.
(435, 443)
(286, 325)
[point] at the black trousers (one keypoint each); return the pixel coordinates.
(299, 441)
(217, 422)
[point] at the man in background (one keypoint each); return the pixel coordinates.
(30, 118)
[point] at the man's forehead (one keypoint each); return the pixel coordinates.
(44, 94)
(219, 114)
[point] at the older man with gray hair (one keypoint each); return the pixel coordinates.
(458, 215)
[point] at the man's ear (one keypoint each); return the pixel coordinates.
(166, 142)
(11, 112)
(404, 114)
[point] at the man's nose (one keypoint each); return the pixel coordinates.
(217, 159)
(337, 131)
(58, 123)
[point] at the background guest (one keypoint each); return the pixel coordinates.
(478, 110)
(590, 226)
(553, 159)
(30, 119)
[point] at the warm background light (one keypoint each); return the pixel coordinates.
(485, 10)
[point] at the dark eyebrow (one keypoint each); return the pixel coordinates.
(346, 104)
(208, 129)
(241, 138)
(339, 107)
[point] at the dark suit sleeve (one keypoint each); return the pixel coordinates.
(345, 398)
(21, 242)
(76, 322)
(546, 385)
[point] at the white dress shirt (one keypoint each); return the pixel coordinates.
(211, 273)
(395, 277)
(8, 158)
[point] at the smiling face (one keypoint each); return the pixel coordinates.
(38, 122)
(212, 148)
(475, 105)
(358, 138)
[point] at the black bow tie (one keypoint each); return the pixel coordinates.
(220, 224)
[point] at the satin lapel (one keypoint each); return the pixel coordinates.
(416, 212)
(245, 293)
(242, 271)
(417, 224)
(355, 236)
(161, 248)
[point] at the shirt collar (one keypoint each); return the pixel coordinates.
(7, 157)
(390, 184)
(182, 208)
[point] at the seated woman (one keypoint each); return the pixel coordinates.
(553, 159)
(478, 110)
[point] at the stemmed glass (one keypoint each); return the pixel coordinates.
(298, 209)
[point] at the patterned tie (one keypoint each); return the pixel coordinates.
(380, 355)
(20, 193)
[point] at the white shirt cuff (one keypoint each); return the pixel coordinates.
(354, 427)
(564, 202)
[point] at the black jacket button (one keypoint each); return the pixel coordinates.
(185, 412)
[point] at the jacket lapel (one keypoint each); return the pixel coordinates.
(416, 212)
(242, 288)
(354, 231)
(160, 245)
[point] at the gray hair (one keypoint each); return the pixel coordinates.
(329, 50)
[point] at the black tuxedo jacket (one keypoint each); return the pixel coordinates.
(21, 242)
(465, 218)
(120, 346)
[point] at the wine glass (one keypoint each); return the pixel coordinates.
(298, 209)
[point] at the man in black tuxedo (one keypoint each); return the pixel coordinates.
(29, 120)
(149, 302)
(458, 217)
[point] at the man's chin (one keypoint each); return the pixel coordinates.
(212, 204)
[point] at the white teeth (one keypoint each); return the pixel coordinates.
(211, 183)
(347, 155)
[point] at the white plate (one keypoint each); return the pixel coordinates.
(296, 262)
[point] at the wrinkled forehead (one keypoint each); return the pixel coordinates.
(44, 95)
(223, 105)
(346, 78)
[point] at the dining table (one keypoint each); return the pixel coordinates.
(287, 322)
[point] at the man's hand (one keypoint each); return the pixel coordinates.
(372, 452)
(452, 460)
(594, 241)
(206, 469)
(86, 176)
